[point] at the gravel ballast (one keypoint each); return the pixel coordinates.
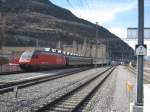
(32, 97)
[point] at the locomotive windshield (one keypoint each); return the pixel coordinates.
(27, 55)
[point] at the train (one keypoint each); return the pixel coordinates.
(37, 59)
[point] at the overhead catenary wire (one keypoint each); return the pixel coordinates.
(68, 1)
(89, 8)
(81, 5)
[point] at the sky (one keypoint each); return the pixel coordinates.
(115, 15)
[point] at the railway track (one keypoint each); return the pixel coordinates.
(146, 74)
(19, 84)
(75, 99)
(13, 72)
(30, 71)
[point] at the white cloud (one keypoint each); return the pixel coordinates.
(119, 31)
(104, 14)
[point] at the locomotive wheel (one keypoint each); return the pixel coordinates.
(25, 67)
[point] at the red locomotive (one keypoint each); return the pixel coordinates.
(41, 59)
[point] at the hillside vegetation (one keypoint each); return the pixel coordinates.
(29, 20)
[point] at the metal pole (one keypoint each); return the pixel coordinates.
(96, 39)
(96, 42)
(122, 54)
(140, 57)
(1, 32)
(2, 17)
(37, 44)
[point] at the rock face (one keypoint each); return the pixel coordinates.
(27, 21)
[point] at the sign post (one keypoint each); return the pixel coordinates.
(140, 65)
(140, 52)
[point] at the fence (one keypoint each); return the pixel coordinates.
(9, 68)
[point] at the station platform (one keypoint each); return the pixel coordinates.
(146, 98)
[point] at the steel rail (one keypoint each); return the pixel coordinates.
(146, 78)
(19, 84)
(93, 91)
(58, 100)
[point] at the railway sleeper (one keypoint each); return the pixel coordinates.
(75, 97)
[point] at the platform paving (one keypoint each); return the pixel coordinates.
(146, 97)
(113, 96)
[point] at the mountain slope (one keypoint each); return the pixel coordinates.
(29, 20)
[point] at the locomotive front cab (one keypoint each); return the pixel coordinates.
(25, 59)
